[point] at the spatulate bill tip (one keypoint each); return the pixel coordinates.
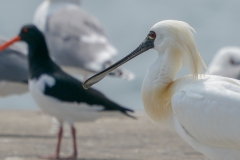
(85, 86)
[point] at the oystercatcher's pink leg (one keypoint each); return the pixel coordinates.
(56, 155)
(74, 155)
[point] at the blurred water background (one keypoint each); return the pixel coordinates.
(127, 22)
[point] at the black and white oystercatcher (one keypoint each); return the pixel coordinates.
(76, 40)
(56, 92)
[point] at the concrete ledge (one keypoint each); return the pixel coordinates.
(24, 135)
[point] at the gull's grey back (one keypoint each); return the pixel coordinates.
(77, 41)
(13, 64)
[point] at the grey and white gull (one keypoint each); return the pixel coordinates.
(13, 70)
(76, 39)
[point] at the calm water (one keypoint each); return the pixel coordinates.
(127, 23)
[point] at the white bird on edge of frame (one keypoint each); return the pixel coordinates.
(203, 109)
(226, 63)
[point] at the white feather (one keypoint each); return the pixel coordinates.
(49, 7)
(93, 38)
(208, 108)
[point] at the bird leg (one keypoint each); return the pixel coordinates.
(74, 141)
(74, 155)
(56, 155)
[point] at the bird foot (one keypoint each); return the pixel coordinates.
(54, 157)
(73, 157)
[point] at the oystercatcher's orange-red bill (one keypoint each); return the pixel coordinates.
(9, 43)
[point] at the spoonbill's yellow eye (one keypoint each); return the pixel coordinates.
(152, 35)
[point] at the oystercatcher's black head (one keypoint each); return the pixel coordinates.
(30, 34)
(37, 47)
(38, 55)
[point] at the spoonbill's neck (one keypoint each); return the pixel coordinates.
(165, 68)
(158, 85)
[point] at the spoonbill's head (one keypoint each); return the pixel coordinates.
(226, 63)
(172, 34)
(169, 36)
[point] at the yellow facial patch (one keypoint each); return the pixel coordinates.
(150, 37)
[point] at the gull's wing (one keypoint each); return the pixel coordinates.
(209, 111)
(76, 39)
(13, 66)
(13, 70)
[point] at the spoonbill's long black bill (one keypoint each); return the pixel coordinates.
(147, 44)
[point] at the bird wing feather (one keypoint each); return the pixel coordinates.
(74, 34)
(209, 110)
(13, 66)
(69, 89)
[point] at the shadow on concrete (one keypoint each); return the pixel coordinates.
(28, 136)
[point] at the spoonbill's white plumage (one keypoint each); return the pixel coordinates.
(75, 39)
(226, 63)
(203, 109)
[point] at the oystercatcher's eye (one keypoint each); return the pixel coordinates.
(25, 30)
(152, 35)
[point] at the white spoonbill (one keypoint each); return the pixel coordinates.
(203, 109)
(226, 63)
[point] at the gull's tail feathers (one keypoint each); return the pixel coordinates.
(122, 73)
